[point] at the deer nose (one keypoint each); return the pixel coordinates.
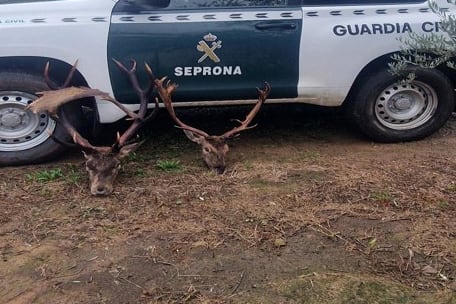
(220, 169)
(100, 191)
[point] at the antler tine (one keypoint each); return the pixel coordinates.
(68, 79)
(123, 68)
(143, 96)
(137, 123)
(151, 76)
(73, 93)
(76, 136)
(263, 95)
(165, 91)
(70, 74)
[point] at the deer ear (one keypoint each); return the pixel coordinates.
(87, 154)
(125, 150)
(194, 137)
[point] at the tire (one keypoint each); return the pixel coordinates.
(24, 136)
(388, 109)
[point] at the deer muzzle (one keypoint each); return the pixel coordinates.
(100, 186)
(103, 170)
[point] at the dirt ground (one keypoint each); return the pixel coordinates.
(309, 211)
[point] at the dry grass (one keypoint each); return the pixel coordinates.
(296, 214)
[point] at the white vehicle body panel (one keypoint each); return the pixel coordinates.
(64, 30)
(328, 63)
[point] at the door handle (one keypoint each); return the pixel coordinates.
(275, 26)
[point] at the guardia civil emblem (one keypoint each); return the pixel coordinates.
(209, 51)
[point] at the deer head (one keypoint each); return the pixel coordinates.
(102, 162)
(214, 148)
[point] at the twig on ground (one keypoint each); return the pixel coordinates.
(239, 283)
(132, 283)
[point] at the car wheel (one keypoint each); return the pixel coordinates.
(389, 109)
(25, 137)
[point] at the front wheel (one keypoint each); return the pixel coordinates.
(389, 109)
(24, 136)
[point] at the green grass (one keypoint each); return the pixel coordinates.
(92, 212)
(140, 172)
(45, 175)
(452, 187)
(168, 165)
(309, 155)
(335, 288)
(382, 196)
(73, 175)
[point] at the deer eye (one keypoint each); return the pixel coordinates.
(207, 150)
(90, 166)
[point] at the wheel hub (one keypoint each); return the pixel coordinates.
(13, 119)
(406, 106)
(20, 129)
(402, 103)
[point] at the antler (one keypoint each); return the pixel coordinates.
(143, 96)
(165, 90)
(52, 101)
(244, 125)
(102, 163)
(213, 147)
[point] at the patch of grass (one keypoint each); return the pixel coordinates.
(140, 172)
(138, 157)
(260, 183)
(111, 229)
(443, 205)
(307, 176)
(45, 192)
(45, 175)
(248, 165)
(377, 292)
(168, 165)
(382, 196)
(351, 289)
(93, 212)
(309, 155)
(451, 187)
(73, 175)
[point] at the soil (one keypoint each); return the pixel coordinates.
(308, 211)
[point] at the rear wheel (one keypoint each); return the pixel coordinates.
(24, 136)
(389, 109)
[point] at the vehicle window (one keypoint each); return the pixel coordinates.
(145, 5)
(23, 1)
(358, 2)
(189, 4)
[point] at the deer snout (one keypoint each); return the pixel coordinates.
(101, 190)
(220, 169)
(103, 170)
(215, 163)
(101, 184)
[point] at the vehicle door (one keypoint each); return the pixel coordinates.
(214, 49)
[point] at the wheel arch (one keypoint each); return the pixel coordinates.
(381, 62)
(375, 78)
(36, 65)
(58, 71)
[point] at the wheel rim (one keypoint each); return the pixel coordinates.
(20, 129)
(406, 105)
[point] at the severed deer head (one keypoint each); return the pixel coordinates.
(213, 147)
(102, 162)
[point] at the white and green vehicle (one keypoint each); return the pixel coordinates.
(323, 52)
